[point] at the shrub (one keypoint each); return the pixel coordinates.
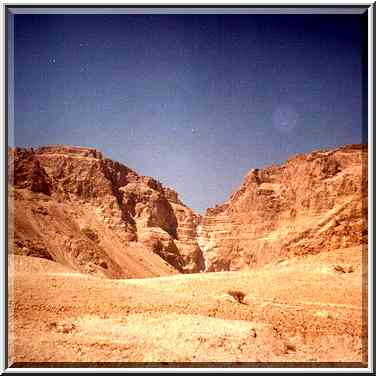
(237, 295)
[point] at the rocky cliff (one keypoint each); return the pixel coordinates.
(83, 210)
(312, 203)
(74, 206)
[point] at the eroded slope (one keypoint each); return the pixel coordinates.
(73, 206)
(312, 203)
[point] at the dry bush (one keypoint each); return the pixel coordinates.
(237, 295)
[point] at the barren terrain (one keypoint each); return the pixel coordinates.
(109, 267)
(303, 310)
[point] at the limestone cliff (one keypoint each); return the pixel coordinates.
(312, 203)
(81, 209)
(74, 206)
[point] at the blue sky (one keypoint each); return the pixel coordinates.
(192, 100)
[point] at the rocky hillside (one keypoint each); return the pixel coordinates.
(74, 206)
(312, 203)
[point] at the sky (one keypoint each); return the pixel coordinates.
(194, 101)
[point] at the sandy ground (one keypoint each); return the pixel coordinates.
(297, 310)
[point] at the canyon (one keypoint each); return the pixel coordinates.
(76, 207)
(277, 273)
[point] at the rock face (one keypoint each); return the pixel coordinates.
(74, 206)
(312, 203)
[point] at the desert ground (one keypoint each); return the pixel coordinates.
(308, 309)
(110, 268)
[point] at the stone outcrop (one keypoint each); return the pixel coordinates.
(25, 171)
(312, 203)
(77, 207)
(99, 212)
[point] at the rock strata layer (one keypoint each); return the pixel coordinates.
(77, 207)
(314, 202)
(74, 206)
